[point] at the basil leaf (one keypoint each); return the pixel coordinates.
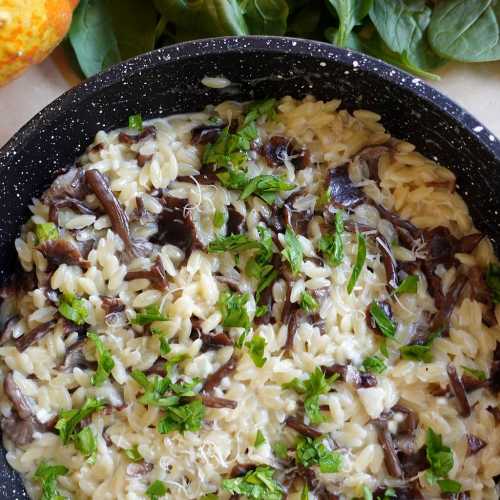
(133, 454)
(45, 232)
(182, 418)
(135, 122)
(257, 484)
(233, 310)
(374, 364)
(293, 251)
(308, 302)
(386, 326)
(259, 439)
(360, 262)
(148, 315)
(466, 31)
(266, 187)
(47, 476)
(479, 374)
(156, 490)
(105, 362)
(439, 456)
(69, 419)
(256, 348)
(232, 243)
(313, 452)
(493, 281)
(266, 17)
(449, 486)
(350, 14)
(331, 245)
(408, 285)
(86, 443)
(73, 308)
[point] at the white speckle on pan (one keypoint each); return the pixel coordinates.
(416, 81)
(491, 137)
(478, 129)
(355, 64)
(215, 82)
(322, 64)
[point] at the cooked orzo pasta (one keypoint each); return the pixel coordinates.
(263, 300)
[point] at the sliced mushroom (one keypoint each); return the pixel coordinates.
(441, 319)
(459, 391)
(215, 378)
(236, 222)
(370, 156)
(112, 305)
(207, 134)
(70, 184)
(8, 329)
(474, 444)
(75, 358)
(74, 204)
(214, 402)
(59, 252)
(156, 275)
(19, 431)
(139, 469)
(301, 428)
(146, 132)
(34, 335)
(343, 193)
(390, 455)
(17, 398)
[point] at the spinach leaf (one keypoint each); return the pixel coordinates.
(466, 31)
(265, 17)
(350, 14)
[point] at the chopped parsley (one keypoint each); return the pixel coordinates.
(73, 308)
(374, 364)
(292, 251)
(440, 458)
(219, 219)
(148, 315)
(308, 302)
(263, 107)
(182, 417)
(85, 442)
(233, 179)
(257, 484)
(156, 490)
(256, 348)
(69, 419)
(420, 352)
(133, 454)
(266, 187)
(331, 245)
(493, 281)
(105, 362)
(314, 452)
(408, 285)
(261, 311)
(232, 243)
(478, 374)
(135, 122)
(259, 439)
(385, 324)
(46, 231)
(233, 310)
(280, 449)
(358, 265)
(312, 388)
(47, 476)
(164, 344)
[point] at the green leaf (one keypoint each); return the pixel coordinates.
(312, 388)
(479, 374)
(295, 385)
(233, 310)
(304, 495)
(164, 344)
(135, 122)
(133, 454)
(86, 443)
(408, 285)
(92, 37)
(232, 243)
(229, 150)
(258, 109)
(45, 232)
(466, 31)
(69, 419)
(265, 17)
(308, 302)
(292, 251)
(257, 484)
(305, 22)
(493, 281)
(280, 449)
(148, 315)
(358, 265)
(449, 486)
(374, 364)
(73, 308)
(233, 179)
(156, 490)
(417, 352)
(256, 348)
(331, 245)
(350, 13)
(219, 219)
(367, 494)
(265, 186)
(105, 362)
(47, 476)
(182, 418)
(313, 452)
(439, 456)
(259, 439)
(386, 326)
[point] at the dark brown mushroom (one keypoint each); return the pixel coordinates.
(74, 357)
(156, 275)
(297, 219)
(441, 319)
(336, 368)
(459, 391)
(207, 134)
(59, 252)
(480, 292)
(19, 431)
(112, 305)
(212, 340)
(236, 222)
(409, 491)
(214, 402)
(474, 444)
(495, 411)
(390, 455)
(139, 469)
(8, 329)
(306, 430)
(407, 232)
(34, 335)
(215, 378)
(140, 214)
(74, 204)
(343, 193)
(70, 184)
(293, 323)
(17, 398)
(495, 370)
(370, 157)
(206, 176)
(129, 139)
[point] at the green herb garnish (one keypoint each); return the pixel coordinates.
(493, 281)
(259, 439)
(314, 452)
(164, 344)
(46, 231)
(408, 285)
(105, 362)
(182, 418)
(219, 219)
(233, 310)
(386, 326)
(256, 348)
(358, 265)
(292, 251)
(280, 449)
(156, 490)
(257, 484)
(266, 187)
(331, 245)
(47, 476)
(420, 352)
(374, 364)
(135, 122)
(439, 456)
(478, 374)
(232, 243)
(308, 302)
(148, 315)
(133, 454)
(73, 308)
(86, 443)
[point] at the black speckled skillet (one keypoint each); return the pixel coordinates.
(168, 81)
